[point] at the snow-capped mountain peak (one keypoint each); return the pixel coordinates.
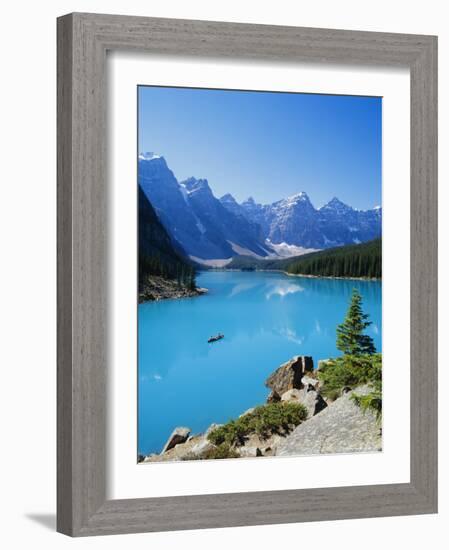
(337, 205)
(205, 226)
(301, 195)
(296, 198)
(149, 155)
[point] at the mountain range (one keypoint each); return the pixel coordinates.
(210, 229)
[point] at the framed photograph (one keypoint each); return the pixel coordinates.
(247, 274)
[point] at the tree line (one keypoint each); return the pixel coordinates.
(362, 260)
(183, 273)
(159, 255)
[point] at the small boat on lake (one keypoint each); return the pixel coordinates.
(215, 338)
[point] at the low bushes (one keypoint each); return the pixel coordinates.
(350, 371)
(264, 421)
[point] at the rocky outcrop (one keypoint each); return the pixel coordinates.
(257, 446)
(192, 448)
(156, 288)
(310, 382)
(288, 376)
(179, 435)
(296, 221)
(309, 397)
(331, 427)
(341, 427)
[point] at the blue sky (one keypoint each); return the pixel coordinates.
(268, 145)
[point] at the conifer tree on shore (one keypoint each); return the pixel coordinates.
(351, 339)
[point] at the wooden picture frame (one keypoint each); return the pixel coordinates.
(83, 40)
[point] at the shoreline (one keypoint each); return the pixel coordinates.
(157, 289)
(295, 274)
(322, 428)
(333, 277)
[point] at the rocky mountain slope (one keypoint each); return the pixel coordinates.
(164, 270)
(210, 228)
(296, 221)
(341, 427)
(193, 216)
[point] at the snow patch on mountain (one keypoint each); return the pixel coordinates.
(284, 250)
(242, 251)
(211, 228)
(218, 262)
(184, 192)
(149, 156)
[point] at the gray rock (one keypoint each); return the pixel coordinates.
(179, 435)
(194, 447)
(249, 451)
(340, 428)
(313, 401)
(203, 446)
(291, 395)
(256, 445)
(308, 381)
(308, 397)
(289, 375)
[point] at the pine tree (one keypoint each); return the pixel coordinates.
(350, 337)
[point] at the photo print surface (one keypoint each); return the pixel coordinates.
(260, 268)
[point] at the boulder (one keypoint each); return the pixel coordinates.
(202, 447)
(313, 401)
(308, 381)
(308, 397)
(289, 375)
(249, 451)
(342, 427)
(291, 395)
(179, 435)
(256, 445)
(194, 447)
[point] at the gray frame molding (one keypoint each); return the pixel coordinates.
(83, 40)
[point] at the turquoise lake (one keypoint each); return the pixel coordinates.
(266, 318)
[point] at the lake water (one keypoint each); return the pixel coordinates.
(266, 318)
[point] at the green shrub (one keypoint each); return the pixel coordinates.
(222, 451)
(369, 402)
(360, 364)
(352, 371)
(264, 421)
(349, 371)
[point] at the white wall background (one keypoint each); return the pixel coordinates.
(27, 286)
